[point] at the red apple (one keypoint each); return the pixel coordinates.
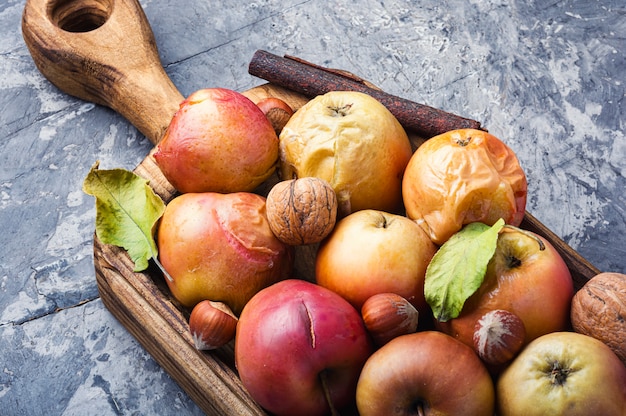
(300, 348)
(425, 373)
(218, 141)
(371, 252)
(220, 247)
(563, 373)
(527, 277)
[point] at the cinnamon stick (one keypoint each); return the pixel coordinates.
(312, 80)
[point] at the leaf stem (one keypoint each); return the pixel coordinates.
(165, 273)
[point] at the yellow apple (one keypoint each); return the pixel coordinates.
(353, 142)
(563, 373)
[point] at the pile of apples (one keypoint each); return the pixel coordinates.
(359, 335)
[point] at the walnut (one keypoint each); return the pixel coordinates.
(599, 310)
(302, 211)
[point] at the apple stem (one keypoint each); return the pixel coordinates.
(323, 378)
(528, 234)
(463, 142)
(340, 111)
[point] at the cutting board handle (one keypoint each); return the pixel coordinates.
(103, 51)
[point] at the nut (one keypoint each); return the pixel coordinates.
(212, 325)
(498, 336)
(277, 112)
(388, 315)
(599, 310)
(301, 211)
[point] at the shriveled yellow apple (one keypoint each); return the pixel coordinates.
(353, 142)
(220, 247)
(218, 141)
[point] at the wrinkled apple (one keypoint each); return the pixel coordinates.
(353, 142)
(218, 141)
(300, 348)
(220, 247)
(460, 177)
(371, 252)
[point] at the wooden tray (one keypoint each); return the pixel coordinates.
(142, 303)
(94, 65)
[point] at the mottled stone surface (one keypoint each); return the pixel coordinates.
(546, 77)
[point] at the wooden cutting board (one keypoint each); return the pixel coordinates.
(118, 66)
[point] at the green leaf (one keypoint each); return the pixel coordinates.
(458, 268)
(127, 210)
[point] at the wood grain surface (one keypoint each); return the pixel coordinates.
(117, 65)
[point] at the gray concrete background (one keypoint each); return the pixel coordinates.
(546, 77)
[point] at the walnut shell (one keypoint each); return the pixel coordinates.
(301, 211)
(599, 310)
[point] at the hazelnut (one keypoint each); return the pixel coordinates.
(277, 111)
(498, 336)
(388, 315)
(212, 325)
